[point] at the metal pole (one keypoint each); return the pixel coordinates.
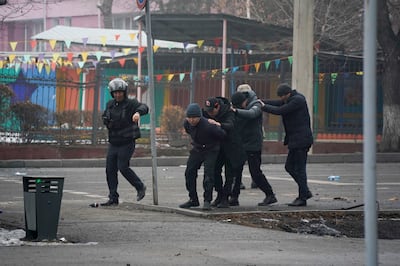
(224, 32)
(369, 129)
(193, 81)
(152, 103)
(139, 89)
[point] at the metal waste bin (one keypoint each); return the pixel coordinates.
(42, 202)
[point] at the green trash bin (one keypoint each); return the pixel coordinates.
(42, 202)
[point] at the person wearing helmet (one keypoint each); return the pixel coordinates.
(121, 118)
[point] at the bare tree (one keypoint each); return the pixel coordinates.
(389, 41)
(105, 7)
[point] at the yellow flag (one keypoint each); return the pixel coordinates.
(126, 50)
(155, 48)
(170, 77)
(13, 45)
(56, 56)
(136, 60)
(103, 40)
(200, 43)
(132, 36)
(84, 56)
(52, 43)
(11, 57)
(257, 66)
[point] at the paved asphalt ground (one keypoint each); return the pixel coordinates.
(156, 232)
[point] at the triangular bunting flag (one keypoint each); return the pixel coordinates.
(132, 36)
(267, 63)
(98, 55)
(122, 62)
(27, 58)
(246, 68)
(234, 69)
(84, 56)
(52, 44)
(53, 66)
(136, 60)
(225, 70)
(277, 62)
(214, 72)
(181, 76)
(321, 77)
(11, 57)
(359, 73)
(56, 56)
(159, 77)
(185, 44)
(257, 66)
(141, 49)
(81, 64)
(333, 77)
(126, 50)
(155, 48)
(217, 41)
(170, 77)
(17, 67)
(78, 71)
(84, 41)
(67, 43)
(108, 60)
(200, 43)
(103, 40)
(13, 45)
(40, 67)
(112, 54)
(70, 56)
(290, 59)
(117, 37)
(33, 44)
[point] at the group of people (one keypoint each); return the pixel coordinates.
(224, 135)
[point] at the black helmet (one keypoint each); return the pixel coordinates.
(117, 84)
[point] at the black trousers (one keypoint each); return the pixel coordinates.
(118, 158)
(295, 165)
(254, 162)
(223, 188)
(207, 158)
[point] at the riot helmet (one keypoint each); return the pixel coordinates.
(117, 84)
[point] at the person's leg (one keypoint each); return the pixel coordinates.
(210, 158)
(297, 167)
(192, 166)
(218, 182)
(112, 174)
(254, 161)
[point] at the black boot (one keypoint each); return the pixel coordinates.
(217, 200)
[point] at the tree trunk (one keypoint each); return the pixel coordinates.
(390, 44)
(105, 7)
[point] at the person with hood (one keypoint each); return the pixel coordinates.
(218, 111)
(292, 106)
(248, 111)
(206, 138)
(121, 118)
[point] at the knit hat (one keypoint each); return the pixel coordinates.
(193, 110)
(283, 89)
(238, 98)
(210, 104)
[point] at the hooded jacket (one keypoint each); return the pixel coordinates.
(250, 123)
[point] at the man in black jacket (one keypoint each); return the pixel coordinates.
(296, 120)
(249, 115)
(206, 138)
(218, 111)
(121, 118)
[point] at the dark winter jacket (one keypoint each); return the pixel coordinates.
(249, 122)
(232, 144)
(295, 117)
(205, 136)
(117, 117)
